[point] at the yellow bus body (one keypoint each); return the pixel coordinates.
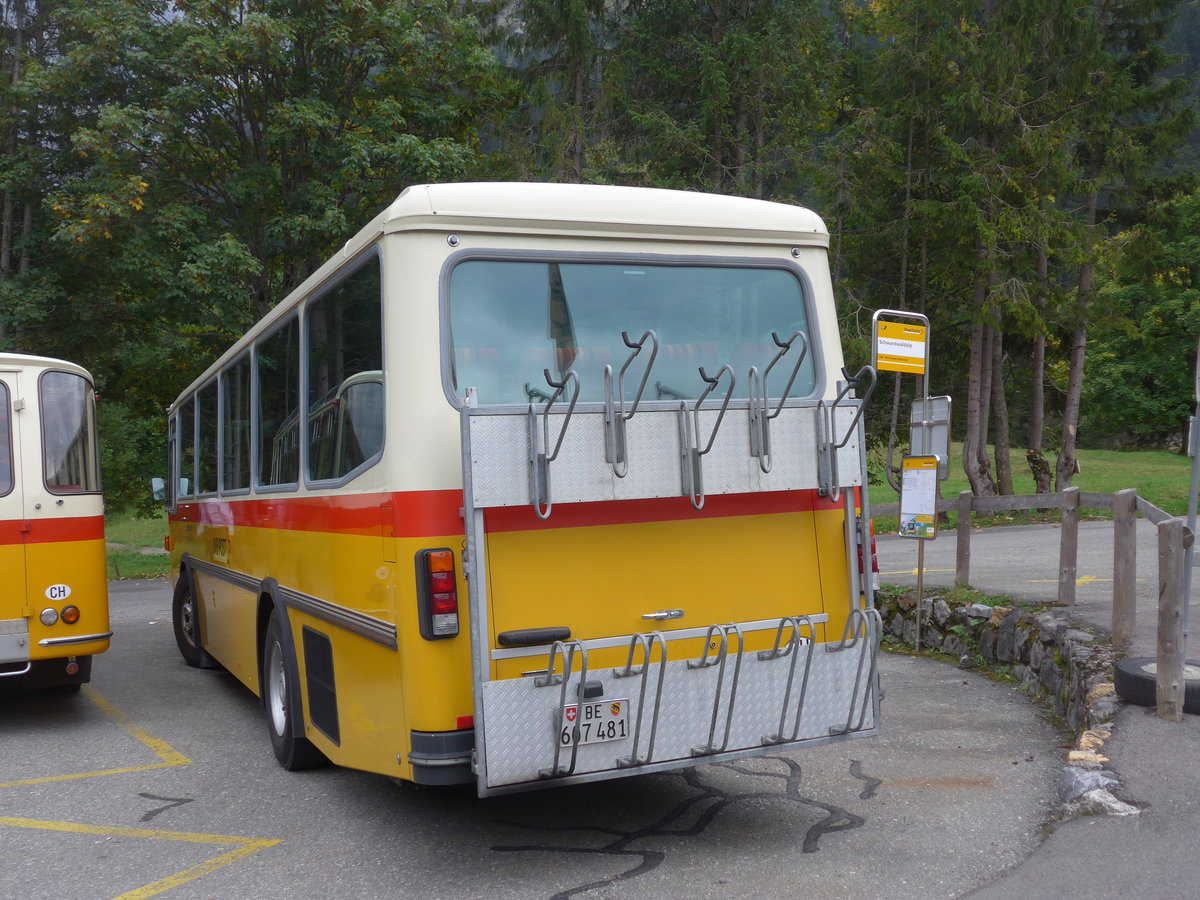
(339, 564)
(52, 549)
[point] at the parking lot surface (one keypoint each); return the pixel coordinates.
(159, 779)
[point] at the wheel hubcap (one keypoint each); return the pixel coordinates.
(277, 691)
(187, 622)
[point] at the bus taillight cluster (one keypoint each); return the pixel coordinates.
(437, 594)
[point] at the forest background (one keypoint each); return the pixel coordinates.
(1022, 172)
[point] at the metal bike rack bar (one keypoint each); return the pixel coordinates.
(540, 456)
(760, 418)
(721, 659)
(647, 642)
(826, 421)
(689, 436)
(615, 415)
(791, 649)
(568, 652)
(871, 625)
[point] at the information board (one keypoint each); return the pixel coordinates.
(918, 497)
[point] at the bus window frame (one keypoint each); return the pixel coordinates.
(213, 383)
(256, 483)
(172, 461)
(190, 493)
(94, 432)
(223, 491)
(356, 265)
(6, 400)
(816, 343)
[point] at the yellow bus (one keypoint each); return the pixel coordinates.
(54, 588)
(536, 484)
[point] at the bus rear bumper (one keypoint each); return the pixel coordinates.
(442, 757)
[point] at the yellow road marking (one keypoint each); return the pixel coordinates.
(164, 751)
(1082, 579)
(161, 749)
(246, 847)
(914, 571)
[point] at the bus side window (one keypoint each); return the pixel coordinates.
(206, 453)
(278, 362)
(235, 394)
(187, 447)
(345, 375)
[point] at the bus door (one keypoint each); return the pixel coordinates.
(663, 610)
(14, 609)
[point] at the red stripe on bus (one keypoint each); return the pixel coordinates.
(414, 513)
(51, 531)
(418, 514)
(663, 509)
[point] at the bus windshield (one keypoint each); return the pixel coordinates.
(510, 320)
(69, 434)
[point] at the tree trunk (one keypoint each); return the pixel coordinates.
(1004, 481)
(1035, 456)
(1068, 464)
(976, 436)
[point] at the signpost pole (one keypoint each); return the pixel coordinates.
(1189, 554)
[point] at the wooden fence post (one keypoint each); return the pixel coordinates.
(1124, 615)
(1068, 551)
(962, 560)
(1170, 685)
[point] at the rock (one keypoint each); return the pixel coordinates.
(977, 611)
(1101, 803)
(1074, 782)
(941, 612)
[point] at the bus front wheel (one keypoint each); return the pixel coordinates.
(282, 702)
(187, 625)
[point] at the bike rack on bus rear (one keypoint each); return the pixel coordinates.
(598, 460)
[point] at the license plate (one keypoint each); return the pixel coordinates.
(598, 721)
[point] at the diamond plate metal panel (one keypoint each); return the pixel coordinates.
(521, 720)
(500, 457)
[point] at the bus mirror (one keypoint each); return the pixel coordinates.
(159, 487)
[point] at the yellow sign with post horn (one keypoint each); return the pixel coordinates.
(900, 347)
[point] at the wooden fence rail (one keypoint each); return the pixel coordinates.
(1173, 539)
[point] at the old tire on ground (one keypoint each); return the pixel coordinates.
(1136, 682)
(186, 622)
(282, 703)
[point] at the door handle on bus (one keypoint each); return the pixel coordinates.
(664, 614)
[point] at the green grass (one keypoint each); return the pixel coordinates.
(1158, 476)
(129, 538)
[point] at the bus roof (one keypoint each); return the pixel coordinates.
(595, 209)
(27, 361)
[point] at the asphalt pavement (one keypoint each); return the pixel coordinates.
(1155, 853)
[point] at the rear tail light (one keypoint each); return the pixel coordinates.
(874, 558)
(437, 594)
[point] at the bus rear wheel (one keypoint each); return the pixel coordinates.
(282, 703)
(186, 623)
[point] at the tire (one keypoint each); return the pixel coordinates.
(186, 623)
(282, 703)
(1136, 682)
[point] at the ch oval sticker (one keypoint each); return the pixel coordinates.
(58, 592)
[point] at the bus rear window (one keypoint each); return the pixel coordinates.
(511, 320)
(69, 433)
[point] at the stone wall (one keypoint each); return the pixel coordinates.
(1070, 669)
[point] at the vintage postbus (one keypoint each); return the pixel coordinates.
(535, 484)
(53, 583)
